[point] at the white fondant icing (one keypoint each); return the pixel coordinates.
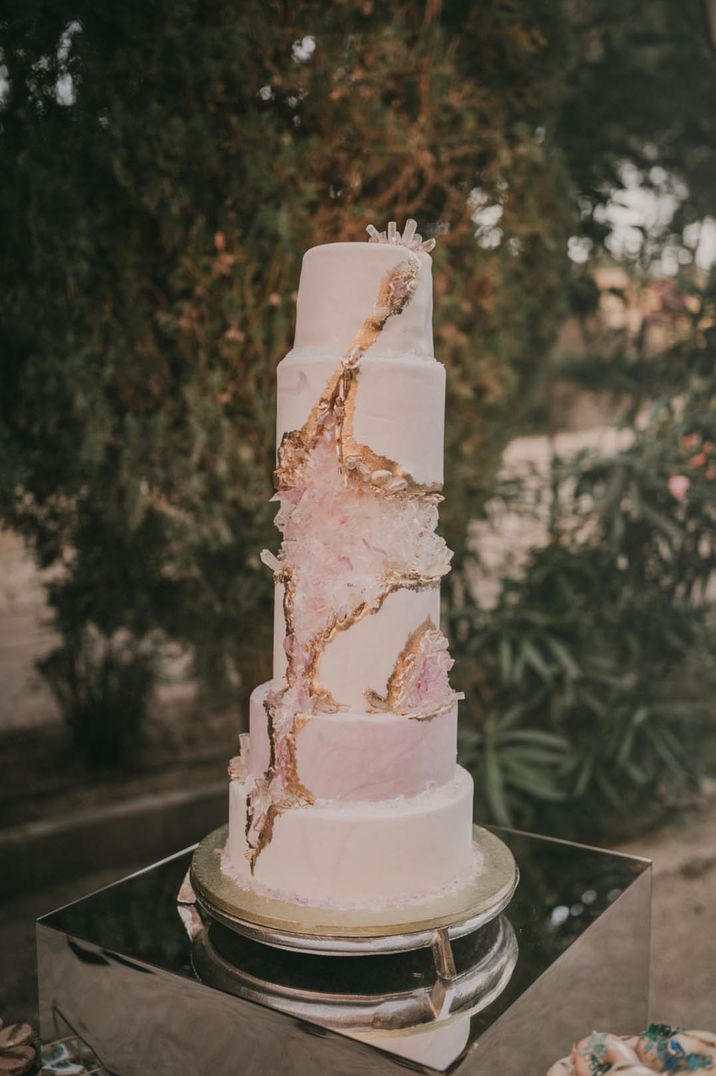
(338, 286)
(357, 853)
(359, 756)
(362, 657)
(279, 636)
(399, 412)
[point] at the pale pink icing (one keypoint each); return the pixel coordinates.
(428, 688)
(360, 756)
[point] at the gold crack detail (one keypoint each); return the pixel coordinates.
(393, 701)
(403, 582)
(338, 401)
(293, 781)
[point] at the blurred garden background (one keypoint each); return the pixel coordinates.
(164, 168)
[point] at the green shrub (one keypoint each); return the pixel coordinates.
(590, 684)
(166, 164)
(103, 686)
(154, 225)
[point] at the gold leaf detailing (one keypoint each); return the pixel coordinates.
(337, 401)
(264, 829)
(292, 780)
(402, 582)
(418, 685)
(362, 463)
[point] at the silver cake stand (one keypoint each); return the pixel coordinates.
(401, 999)
(208, 896)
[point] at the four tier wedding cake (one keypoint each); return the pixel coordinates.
(346, 791)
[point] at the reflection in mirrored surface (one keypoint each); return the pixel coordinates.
(435, 1047)
(397, 1001)
(580, 917)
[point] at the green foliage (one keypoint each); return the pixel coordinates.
(103, 686)
(634, 98)
(591, 681)
(166, 165)
(604, 644)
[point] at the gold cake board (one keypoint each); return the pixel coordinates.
(393, 928)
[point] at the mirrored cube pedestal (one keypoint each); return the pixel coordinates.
(120, 969)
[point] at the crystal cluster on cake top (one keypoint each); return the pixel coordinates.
(410, 238)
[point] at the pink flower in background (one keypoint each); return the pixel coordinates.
(698, 460)
(679, 486)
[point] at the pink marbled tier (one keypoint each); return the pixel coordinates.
(361, 756)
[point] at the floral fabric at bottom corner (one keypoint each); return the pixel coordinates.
(658, 1049)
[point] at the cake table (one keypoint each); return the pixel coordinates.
(118, 968)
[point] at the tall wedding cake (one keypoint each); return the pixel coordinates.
(346, 791)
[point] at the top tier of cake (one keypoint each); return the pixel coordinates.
(338, 286)
(399, 409)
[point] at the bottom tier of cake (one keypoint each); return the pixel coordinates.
(358, 755)
(336, 853)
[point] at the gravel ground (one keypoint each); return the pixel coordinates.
(683, 952)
